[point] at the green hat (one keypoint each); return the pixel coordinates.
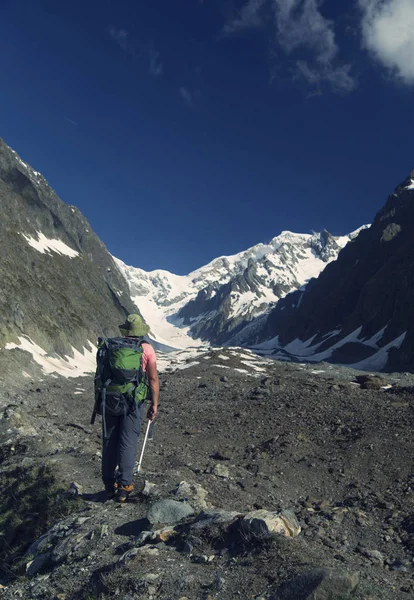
(134, 326)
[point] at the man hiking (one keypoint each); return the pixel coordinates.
(126, 369)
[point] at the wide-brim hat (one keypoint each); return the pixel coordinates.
(134, 326)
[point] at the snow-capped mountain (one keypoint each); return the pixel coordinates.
(217, 300)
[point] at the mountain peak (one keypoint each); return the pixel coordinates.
(213, 302)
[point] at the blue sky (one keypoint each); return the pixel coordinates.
(189, 129)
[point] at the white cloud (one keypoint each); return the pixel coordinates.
(248, 17)
(338, 77)
(143, 53)
(388, 33)
(300, 24)
(156, 67)
(306, 37)
(120, 36)
(186, 95)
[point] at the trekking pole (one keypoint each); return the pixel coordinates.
(143, 448)
(93, 417)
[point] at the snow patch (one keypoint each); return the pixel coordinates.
(82, 363)
(187, 365)
(379, 360)
(253, 366)
(46, 245)
(271, 344)
(375, 339)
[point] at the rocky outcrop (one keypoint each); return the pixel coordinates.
(59, 284)
(359, 310)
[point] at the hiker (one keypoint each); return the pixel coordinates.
(126, 371)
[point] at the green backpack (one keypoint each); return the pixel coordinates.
(120, 382)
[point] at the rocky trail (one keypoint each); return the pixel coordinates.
(264, 480)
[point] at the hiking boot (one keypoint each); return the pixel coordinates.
(111, 489)
(124, 491)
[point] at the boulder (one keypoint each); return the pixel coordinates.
(371, 382)
(35, 565)
(261, 523)
(169, 511)
(319, 584)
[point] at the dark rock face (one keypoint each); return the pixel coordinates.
(56, 299)
(370, 286)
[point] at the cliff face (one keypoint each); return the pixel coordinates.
(59, 284)
(361, 305)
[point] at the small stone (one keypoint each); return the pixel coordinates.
(224, 379)
(220, 471)
(150, 489)
(200, 558)
(145, 537)
(104, 530)
(192, 492)
(75, 489)
(150, 577)
(148, 551)
(162, 535)
(374, 555)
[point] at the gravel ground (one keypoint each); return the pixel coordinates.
(252, 434)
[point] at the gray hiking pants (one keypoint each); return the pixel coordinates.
(120, 447)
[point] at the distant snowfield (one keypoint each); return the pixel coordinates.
(304, 349)
(161, 330)
(45, 245)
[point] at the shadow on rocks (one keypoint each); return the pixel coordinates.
(100, 497)
(133, 527)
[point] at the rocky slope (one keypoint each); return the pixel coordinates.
(359, 310)
(238, 437)
(59, 285)
(217, 300)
